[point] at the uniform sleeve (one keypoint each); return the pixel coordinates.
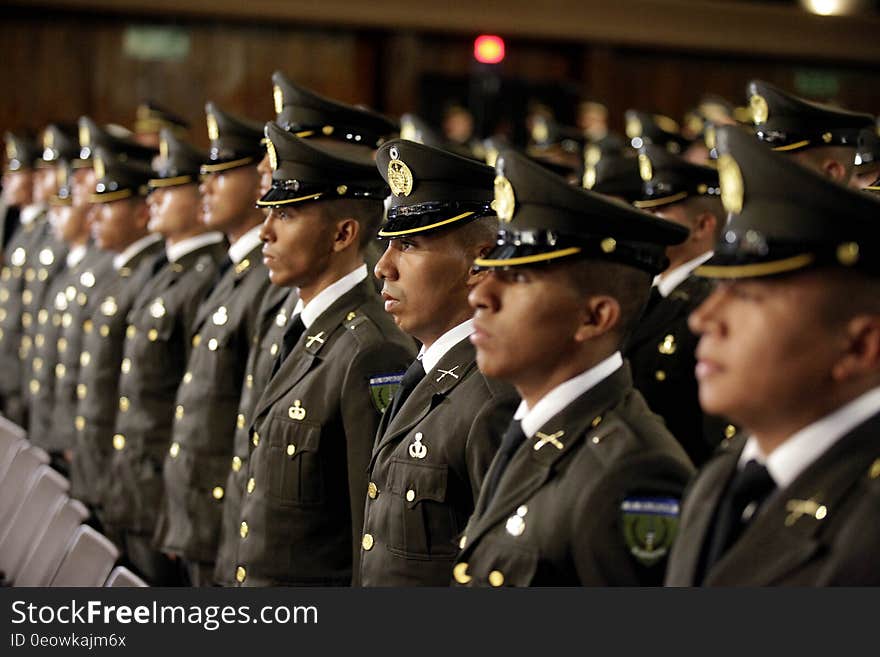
(485, 435)
(360, 418)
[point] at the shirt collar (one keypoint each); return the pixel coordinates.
(30, 212)
(122, 259)
(670, 280)
(431, 356)
(804, 447)
(564, 394)
(176, 251)
(244, 245)
(76, 255)
(328, 296)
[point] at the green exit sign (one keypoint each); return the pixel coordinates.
(816, 84)
(149, 42)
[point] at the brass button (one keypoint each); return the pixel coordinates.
(255, 439)
(152, 335)
(88, 325)
(42, 316)
(729, 431)
(82, 391)
(596, 421)
(85, 358)
(236, 464)
(126, 365)
(660, 375)
(62, 345)
(462, 542)
(240, 420)
(213, 344)
(60, 371)
(197, 340)
(410, 495)
(124, 404)
(187, 377)
(39, 340)
(291, 449)
(243, 529)
(130, 332)
(240, 574)
(460, 574)
(26, 320)
(874, 472)
(34, 386)
(367, 542)
(251, 485)
(273, 349)
(104, 330)
(178, 412)
(249, 380)
(79, 423)
(118, 441)
(372, 491)
(496, 578)
(67, 320)
(217, 493)
(174, 450)
(38, 362)
(27, 296)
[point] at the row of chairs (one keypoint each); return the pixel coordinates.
(43, 538)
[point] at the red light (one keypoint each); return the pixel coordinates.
(488, 49)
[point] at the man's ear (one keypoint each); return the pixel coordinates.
(600, 315)
(474, 276)
(834, 170)
(705, 225)
(347, 233)
(862, 354)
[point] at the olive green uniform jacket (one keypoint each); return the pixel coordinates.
(426, 471)
(591, 500)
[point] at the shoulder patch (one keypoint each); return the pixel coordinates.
(649, 527)
(383, 388)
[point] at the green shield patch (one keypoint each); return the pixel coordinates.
(649, 527)
(383, 389)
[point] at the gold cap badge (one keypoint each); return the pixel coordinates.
(278, 97)
(633, 128)
(84, 137)
(400, 178)
(273, 156)
(589, 177)
(163, 149)
(100, 171)
(213, 130)
(760, 111)
(505, 202)
(732, 186)
(646, 171)
(665, 123)
(592, 155)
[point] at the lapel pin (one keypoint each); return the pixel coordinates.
(444, 373)
(544, 438)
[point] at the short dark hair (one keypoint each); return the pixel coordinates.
(367, 212)
(478, 231)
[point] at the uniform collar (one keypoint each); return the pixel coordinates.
(328, 296)
(431, 356)
(30, 212)
(176, 251)
(564, 394)
(76, 255)
(670, 280)
(244, 245)
(804, 447)
(122, 259)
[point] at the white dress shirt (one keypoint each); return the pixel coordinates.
(76, 255)
(431, 356)
(668, 281)
(245, 244)
(328, 296)
(176, 251)
(30, 212)
(122, 259)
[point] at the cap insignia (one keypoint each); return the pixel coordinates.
(400, 178)
(732, 187)
(646, 171)
(10, 150)
(100, 171)
(163, 149)
(709, 137)
(848, 254)
(213, 130)
(665, 123)
(278, 96)
(759, 108)
(589, 177)
(48, 139)
(505, 201)
(273, 156)
(633, 127)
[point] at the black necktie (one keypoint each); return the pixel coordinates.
(160, 261)
(295, 329)
(748, 489)
(414, 373)
(653, 299)
(513, 438)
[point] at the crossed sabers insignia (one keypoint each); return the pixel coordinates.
(315, 338)
(445, 372)
(543, 439)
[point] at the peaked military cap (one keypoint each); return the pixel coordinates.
(92, 136)
(874, 187)
(63, 178)
(22, 152)
(545, 219)
(613, 174)
(303, 171)
(306, 114)
(786, 217)
(118, 179)
(152, 117)
(646, 128)
(547, 133)
(789, 123)
(60, 143)
(669, 178)
(179, 163)
(868, 147)
(711, 110)
(432, 189)
(235, 141)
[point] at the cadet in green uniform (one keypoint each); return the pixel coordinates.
(435, 444)
(661, 347)
(156, 350)
(22, 155)
(820, 137)
(790, 350)
(152, 119)
(613, 174)
(120, 227)
(585, 487)
(320, 120)
(197, 461)
(341, 355)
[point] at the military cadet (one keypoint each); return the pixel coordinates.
(613, 174)
(156, 350)
(585, 487)
(821, 137)
(341, 355)
(22, 155)
(434, 445)
(789, 349)
(661, 347)
(867, 160)
(120, 227)
(197, 461)
(647, 128)
(151, 119)
(322, 121)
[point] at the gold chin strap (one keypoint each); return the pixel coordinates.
(757, 269)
